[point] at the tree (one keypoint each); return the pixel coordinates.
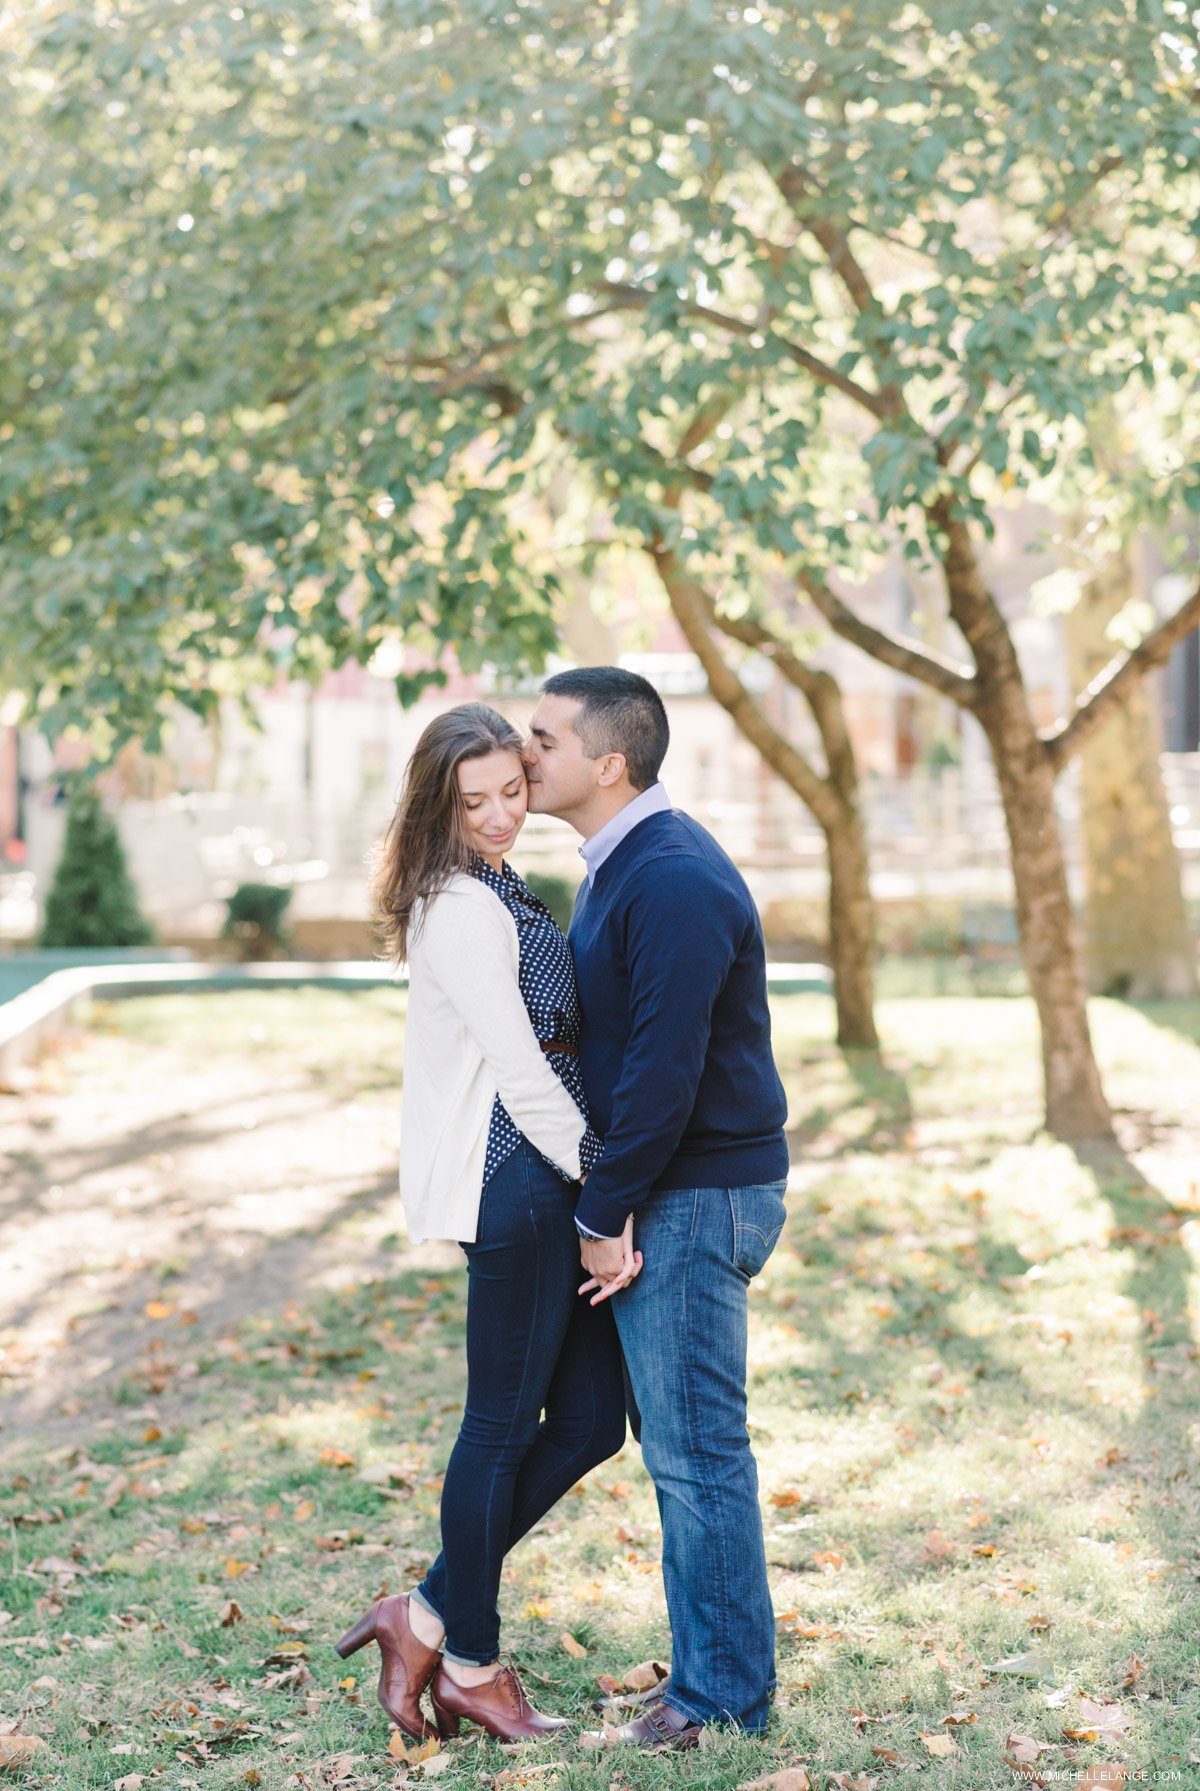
(1138, 936)
(782, 287)
(92, 900)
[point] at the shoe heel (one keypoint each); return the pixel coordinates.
(358, 1636)
(447, 1720)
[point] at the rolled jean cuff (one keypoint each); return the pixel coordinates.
(468, 1660)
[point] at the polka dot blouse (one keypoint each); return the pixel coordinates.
(547, 979)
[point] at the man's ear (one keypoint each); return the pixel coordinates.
(610, 770)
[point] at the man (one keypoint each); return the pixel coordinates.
(677, 1067)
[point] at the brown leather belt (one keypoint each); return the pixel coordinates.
(557, 1045)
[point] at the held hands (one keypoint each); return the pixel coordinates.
(612, 1263)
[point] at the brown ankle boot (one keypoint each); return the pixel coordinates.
(407, 1665)
(499, 1705)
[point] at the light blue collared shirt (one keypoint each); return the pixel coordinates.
(652, 801)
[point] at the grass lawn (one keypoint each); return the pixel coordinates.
(230, 1388)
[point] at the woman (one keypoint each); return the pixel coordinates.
(494, 1141)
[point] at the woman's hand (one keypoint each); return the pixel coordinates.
(611, 1263)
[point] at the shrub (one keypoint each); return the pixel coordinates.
(255, 919)
(92, 899)
(558, 893)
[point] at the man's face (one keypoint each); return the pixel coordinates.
(561, 778)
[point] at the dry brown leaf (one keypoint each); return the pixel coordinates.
(575, 1649)
(958, 1719)
(234, 1569)
(304, 1510)
(133, 1781)
(829, 1560)
(159, 1308)
(1111, 1773)
(645, 1676)
(936, 1547)
(788, 1496)
(941, 1745)
(1109, 1720)
(335, 1458)
(851, 1781)
(16, 1751)
(983, 1548)
(1024, 1749)
(1133, 1668)
(231, 1613)
(790, 1778)
(399, 1749)
(888, 1755)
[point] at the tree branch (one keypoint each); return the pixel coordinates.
(911, 657)
(692, 608)
(633, 298)
(1112, 684)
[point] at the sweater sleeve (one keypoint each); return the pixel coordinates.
(470, 955)
(682, 936)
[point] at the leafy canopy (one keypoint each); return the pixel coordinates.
(309, 306)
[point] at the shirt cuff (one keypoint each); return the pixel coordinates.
(597, 1237)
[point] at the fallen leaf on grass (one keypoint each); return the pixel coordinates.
(1112, 1773)
(791, 1778)
(645, 1676)
(17, 1751)
(1032, 1665)
(936, 1547)
(335, 1458)
(847, 1781)
(942, 1746)
(1039, 1625)
(828, 1560)
(889, 1756)
(231, 1613)
(234, 1569)
(399, 1749)
(575, 1649)
(133, 1781)
(958, 1719)
(158, 1308)
(1024, 1749)
(1133, 1670)
(789, 1496)
(1099, 1722)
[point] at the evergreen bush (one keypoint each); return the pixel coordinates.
(92, 899)
(255, 919)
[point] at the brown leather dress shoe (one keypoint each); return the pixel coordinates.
(407, 1666)
(660, 1725)
(499, 1705)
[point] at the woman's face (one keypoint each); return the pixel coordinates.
(495, 798)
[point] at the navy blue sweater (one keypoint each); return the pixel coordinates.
(675, 1040)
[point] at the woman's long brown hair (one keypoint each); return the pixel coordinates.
(427, 842)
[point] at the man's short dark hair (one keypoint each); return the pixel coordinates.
(620, 712)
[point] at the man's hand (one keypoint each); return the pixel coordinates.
(612, 1263)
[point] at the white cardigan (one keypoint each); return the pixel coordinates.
(467, 1039)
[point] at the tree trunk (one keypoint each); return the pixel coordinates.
(832, 800)
(1139, 942)
(851, 931)
(1075, 1103)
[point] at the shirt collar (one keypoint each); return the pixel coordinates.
(652, 801)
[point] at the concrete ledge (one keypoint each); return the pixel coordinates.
(29, 1019)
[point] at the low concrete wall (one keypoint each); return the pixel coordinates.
(33, 1017)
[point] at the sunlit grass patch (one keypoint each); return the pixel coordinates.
(973, 1401)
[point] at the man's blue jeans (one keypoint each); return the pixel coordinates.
(683, 1330)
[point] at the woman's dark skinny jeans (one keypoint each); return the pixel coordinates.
(534, 1345)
